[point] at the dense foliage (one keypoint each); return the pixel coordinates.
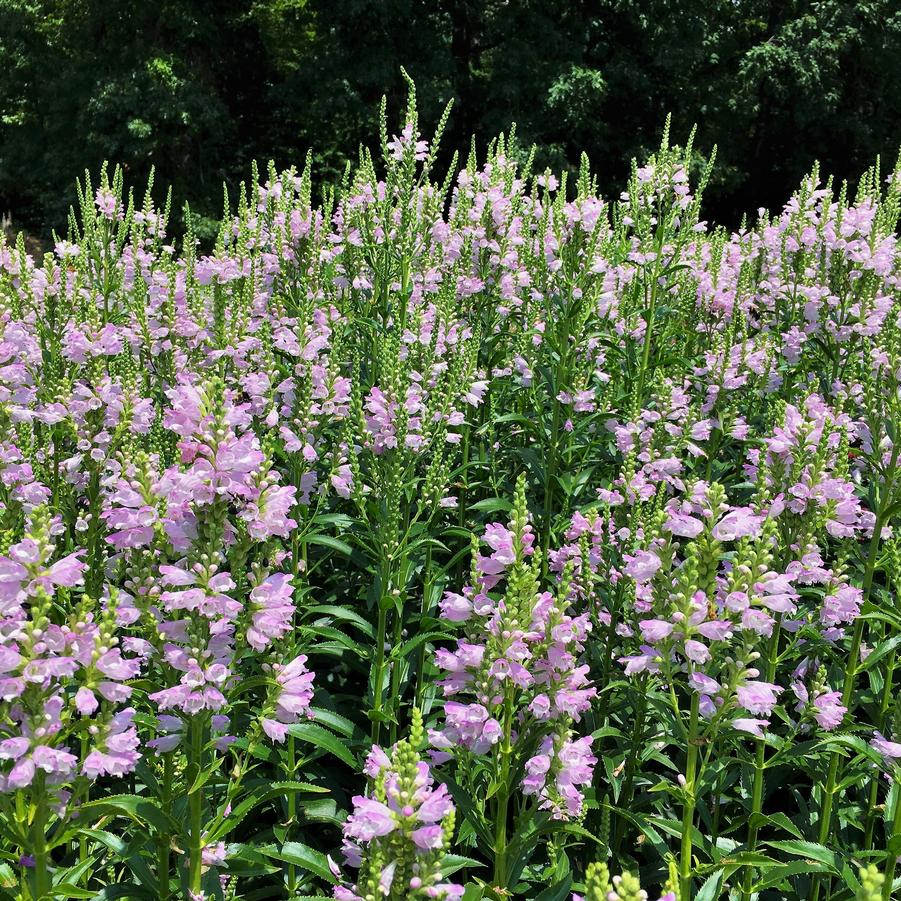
(199, 88)
(462, 538)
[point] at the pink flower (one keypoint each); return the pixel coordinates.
(890, 750)
(758, 697)
(683, 525)
(741, 522)
(269, 515)
(68, 572)
(654, 630)
(272, 610)
(751, 726)
(428, 838)
(829, 711)
(291, 696)
(455, 607)
(642, 566)
(277, 731)
(370, 819)
(468, 725)
(86, 701)
(556, 774)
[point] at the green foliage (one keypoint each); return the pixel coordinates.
(201, 87)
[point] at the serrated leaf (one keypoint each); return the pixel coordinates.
(557, 892)
(807, 851)
(260, 795)
(492, 505)
(784, 871)
(454, 862)
(303, 856)
(137, 808)
(343, 613)
(328, 541)
(711, 888)
(67, 890)
(123, 890)
(335, 722)
(324, 740)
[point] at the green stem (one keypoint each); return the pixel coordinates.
(625, 795)
(549, 475)
(884, 704)
(379, 671)
(82, 839)
(41, 857)
(396, 674)
(756, 808)
(891, 859)
(463, 488)
(292, 811)
(649, 321)
(759, 767)
(850, 678)
(163, 839)
(604, 664)
(292, 750)
(717, 808)
(426, 609)
(195, 810)
(503, 799)
(688, 811)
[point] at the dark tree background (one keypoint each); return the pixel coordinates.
(199, 88)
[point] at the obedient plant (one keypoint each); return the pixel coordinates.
(397, 836)
(454, 535)
(514, 690)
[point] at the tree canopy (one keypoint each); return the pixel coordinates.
(199, 88)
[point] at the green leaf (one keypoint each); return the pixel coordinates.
(325, 740)
(779, 819)
(475, 819)
(113, 892)
(336, 611)
(67, 890)
(557, 892)
(492, 505)
(341, 638)
(134, 862)
(260, 795)
(850, 879)
(205, 775)
(776, 875)
(711, 888)
(342, 520)
(328, 541)
(322, 810)
(649, 832)
(454, 862)
(334, 721)
(136, 808)
(808, 851)
(879, 652)
(402, 650)
(674, 828)
(303, 856)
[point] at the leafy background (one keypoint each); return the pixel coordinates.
(200, 88)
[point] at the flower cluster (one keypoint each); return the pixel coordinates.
(398, 834)
(519, 669)
(599, 886)
(64, 687)
(227, 467)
